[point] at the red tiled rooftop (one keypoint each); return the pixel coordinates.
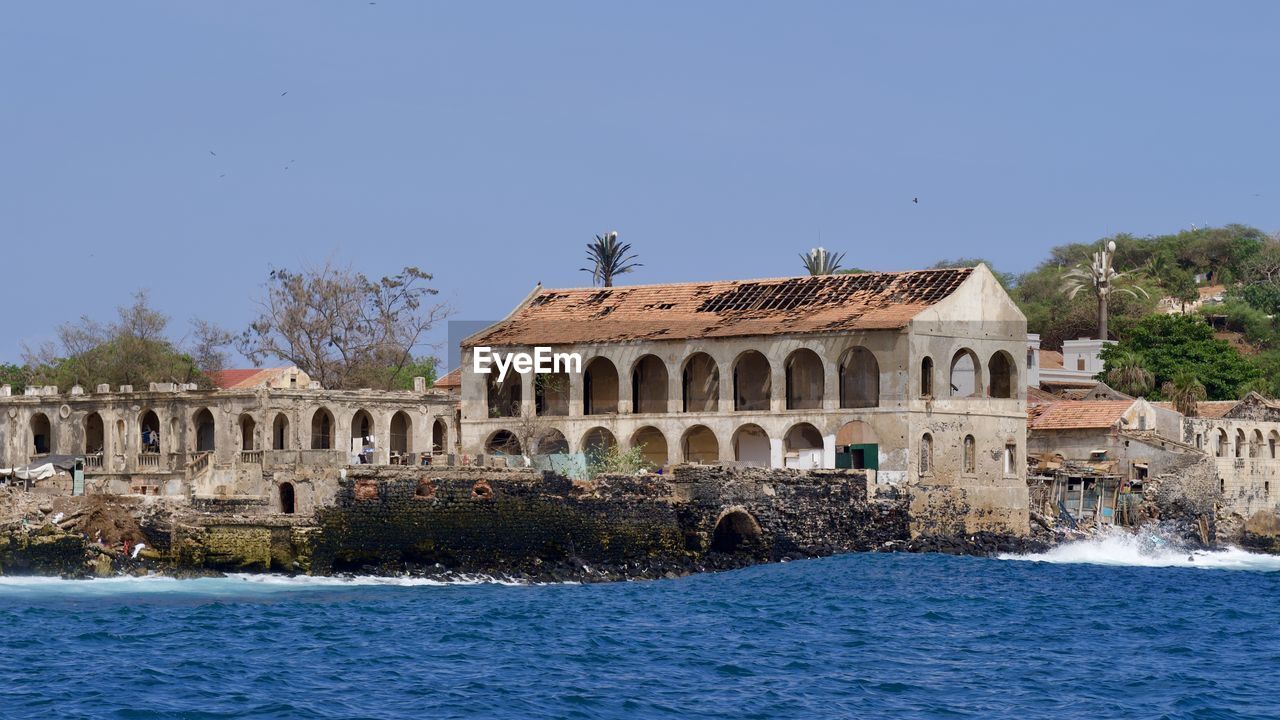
(1077, 415)
(732, 308)
(236, 378)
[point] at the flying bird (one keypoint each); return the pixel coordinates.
(213, 153)
(915, 200)
(286, 92)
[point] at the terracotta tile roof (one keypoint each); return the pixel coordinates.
(731, 308)
(238, 378)
(1036, 396)
(1050, 359)
(452, 379)
(1205, 408)
(1077, 415)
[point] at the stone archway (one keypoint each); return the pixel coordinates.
(737, 532)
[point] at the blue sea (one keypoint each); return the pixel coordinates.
(1100, 629)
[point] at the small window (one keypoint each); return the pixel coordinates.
(1079, 363)
(1011, 459)
(926, 377)
(970, 455)
(926, 454)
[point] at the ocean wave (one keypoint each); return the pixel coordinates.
(235, 583)
(1149, 549)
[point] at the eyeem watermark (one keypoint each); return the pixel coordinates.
(541, 361)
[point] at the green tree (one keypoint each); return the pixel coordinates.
(1174, 344)
(820, 262)
(1184, 391)
(609, 259)
(1126, 372)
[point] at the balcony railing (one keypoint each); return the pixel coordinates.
(253, 457)
(198, 464)
(93, 462)
(149, 461)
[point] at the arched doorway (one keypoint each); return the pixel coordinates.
(700, 384)
(752, 382)
(149, 422)
(41, 435)
(401, 440)
(700, 445)
(205, 430)
(95, 435)
(247, 432)
(859, 379)
(362, 436)
(502, 442)
(600, 387)
(751, 446)
(280, 432)
(286, 498)
(322, 429)
(736, 531)
(805, 381)
(857, 447)
(598, 441)
(802, 446)
(652, 444)
(439, 436)
(552, 442)
(649, 385)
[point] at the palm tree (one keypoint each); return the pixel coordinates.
(1103, 279)
(1184, 391)
(1127, 373)
(608, 259)
(820, 262)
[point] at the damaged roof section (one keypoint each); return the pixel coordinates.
(733, 308)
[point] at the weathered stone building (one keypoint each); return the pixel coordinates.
(917, 377)
(1243, 439)
(273, 446)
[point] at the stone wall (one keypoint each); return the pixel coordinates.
(501, 519)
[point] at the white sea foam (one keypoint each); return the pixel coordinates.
(232, 584)
(1149, 549)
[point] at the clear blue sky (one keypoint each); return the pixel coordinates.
(487, 143)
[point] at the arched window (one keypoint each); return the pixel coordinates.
(504, 397)
(926, 377)
(700, 384)
(1240, 443)
(802, 445)
(649, 385)
(752, 382)
(600, 387)
(859, 379)
(965, 375)
(1221, 449)
(926, 454)
(551, 394)
(362, 432)
(970, 455)
(1255, 447)
(1002, 376)
(805, 380)
(1272, 440)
